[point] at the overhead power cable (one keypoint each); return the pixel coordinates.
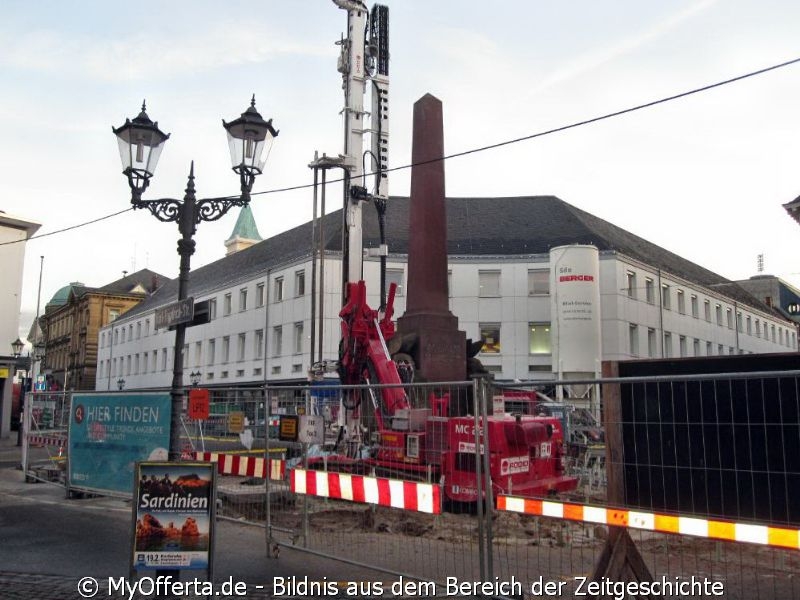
(517, 140)
(41, 235)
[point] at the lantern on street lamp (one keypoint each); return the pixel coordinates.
(140, 142)
(120, 384)
(250, 139)
(16, 347)
(194, 377)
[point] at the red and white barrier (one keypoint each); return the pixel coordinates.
(706, 528)
(408, 495)
(244, 466)
(45, 440)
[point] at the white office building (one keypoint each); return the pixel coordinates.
(506, 259)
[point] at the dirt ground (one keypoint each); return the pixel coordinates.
(434, 547)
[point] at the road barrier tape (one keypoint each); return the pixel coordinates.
(408, 495)
(245, 466)
(706, 528)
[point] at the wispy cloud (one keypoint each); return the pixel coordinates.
(599, 56)
(141, 56)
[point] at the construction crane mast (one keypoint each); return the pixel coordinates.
(364, 60)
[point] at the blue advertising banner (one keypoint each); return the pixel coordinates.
(109, 433)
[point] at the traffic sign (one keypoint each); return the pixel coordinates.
(198, 404)
(312, 429)
(236, 422)
(175, 313)
(288, 428)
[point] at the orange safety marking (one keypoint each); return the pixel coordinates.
(721, 530)
(617, 517)
(667, 524)
(573, 512)
(786, 538)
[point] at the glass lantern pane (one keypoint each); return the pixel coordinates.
(235, 146)
(124, 153)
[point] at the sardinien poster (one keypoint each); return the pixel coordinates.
(174, 515)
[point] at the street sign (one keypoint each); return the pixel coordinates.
(175, 313)
(236, 422)
(312, 429)
(288, 428)
(198, 404)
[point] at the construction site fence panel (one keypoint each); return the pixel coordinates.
(397, 490)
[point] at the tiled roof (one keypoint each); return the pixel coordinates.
(510, 226)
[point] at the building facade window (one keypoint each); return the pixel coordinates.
(277, 340)
(696, 347)
(164, 358)
(718, 312)
(652, 350)
(242, 299)
(278, 295)
(112, 315)
(212, 347)
(299, 283)
(258, 344)
(298, 338)
(138, 330)
(630, 284)
(241, 347)
(212, 309)
(729, 318)
(490, 336)
(681, 301)
(709, 348)
(226, 349)
(707, 310)
(666, 297)
(633, 339)
(198, 353)
(539, 338)
(693, 302)
(227, 305)
(649, 290)
(749, 325)
(667, 344)
(259, 295)
(488, 284)
(395, 276)
(538, 282)
(682, 349)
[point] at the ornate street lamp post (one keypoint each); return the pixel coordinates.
(140, 141)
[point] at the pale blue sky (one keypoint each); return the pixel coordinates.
(704, 176)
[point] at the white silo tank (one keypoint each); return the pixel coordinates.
(575, 310)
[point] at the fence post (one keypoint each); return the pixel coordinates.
(476, 410)
(27, 412)
(485, 386)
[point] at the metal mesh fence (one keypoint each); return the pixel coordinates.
(44, 443)
(709, 456)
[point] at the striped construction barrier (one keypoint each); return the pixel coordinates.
(408, 495)
(705, 528)
(45, 440)
(245, 466)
